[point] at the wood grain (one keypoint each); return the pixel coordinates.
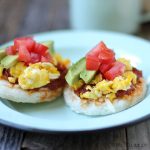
(10, 18)
(45, 16)
(10, 21)
(10, 139)
(138, 136)
(109, 140)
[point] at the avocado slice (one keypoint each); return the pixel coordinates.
(73, 74)
(9, 61)
(87, 75)
(50, 45)
(2, 53)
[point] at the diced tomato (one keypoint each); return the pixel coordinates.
(30, 51)
(92, 62)
(117, 69)
(11, 50)
(34, 57)
(24, 54)
(99, 55)
(96, 50)
(102, 45)
(105, 67)
(106, 56)
(40, 48)
(26, 41)
(46, 57)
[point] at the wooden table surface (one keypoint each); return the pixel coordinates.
(21, 17)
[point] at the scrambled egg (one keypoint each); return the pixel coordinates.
(89, 95)
(78, 84)
(17, 69)
(37, 75)
(110, 88)
(12, 79)
(58, 59)
(104, 86)
(1, 71)
(96, 79)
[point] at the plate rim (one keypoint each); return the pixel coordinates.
(28, 128)
(39, 130)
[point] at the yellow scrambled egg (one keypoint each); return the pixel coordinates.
(38, 75)
(1, 71)
(17, 69)
(58, 59)
(110, 88)
(78, 84)
(96, 79)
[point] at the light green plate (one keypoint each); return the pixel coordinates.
(56, 116)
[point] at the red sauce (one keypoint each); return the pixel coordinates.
(6, 74)
(121, 93)
(81, 90)
(54, 84)
(137, 72)
(60, 82)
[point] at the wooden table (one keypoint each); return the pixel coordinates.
(21, 17)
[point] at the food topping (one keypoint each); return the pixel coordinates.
(37, 75)
(137, 72)
(32, 65)
(60, 82)
(116, 70)
(58, 59)
(103, 59)
(29, 51)
(100, 75)
(126, 62)
(12, 79)
(1, 71)
(110, 88)
(17, 70)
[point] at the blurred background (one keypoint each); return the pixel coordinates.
(21, 17)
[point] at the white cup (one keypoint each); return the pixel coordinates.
(118, 15)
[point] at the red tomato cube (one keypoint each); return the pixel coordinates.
(11, 50)
(117, 69)
(92, 62)
(26, 41)
(24, 54)
(40, 48)
(35, 57)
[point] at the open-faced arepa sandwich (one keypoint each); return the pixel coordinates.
(31, 72)
(101, 84)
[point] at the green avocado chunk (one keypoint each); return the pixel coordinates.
(73, 74)
(50, 45)
(87, 75)
(9, 61)
(2, 53)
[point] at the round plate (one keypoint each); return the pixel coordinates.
(56, 116)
